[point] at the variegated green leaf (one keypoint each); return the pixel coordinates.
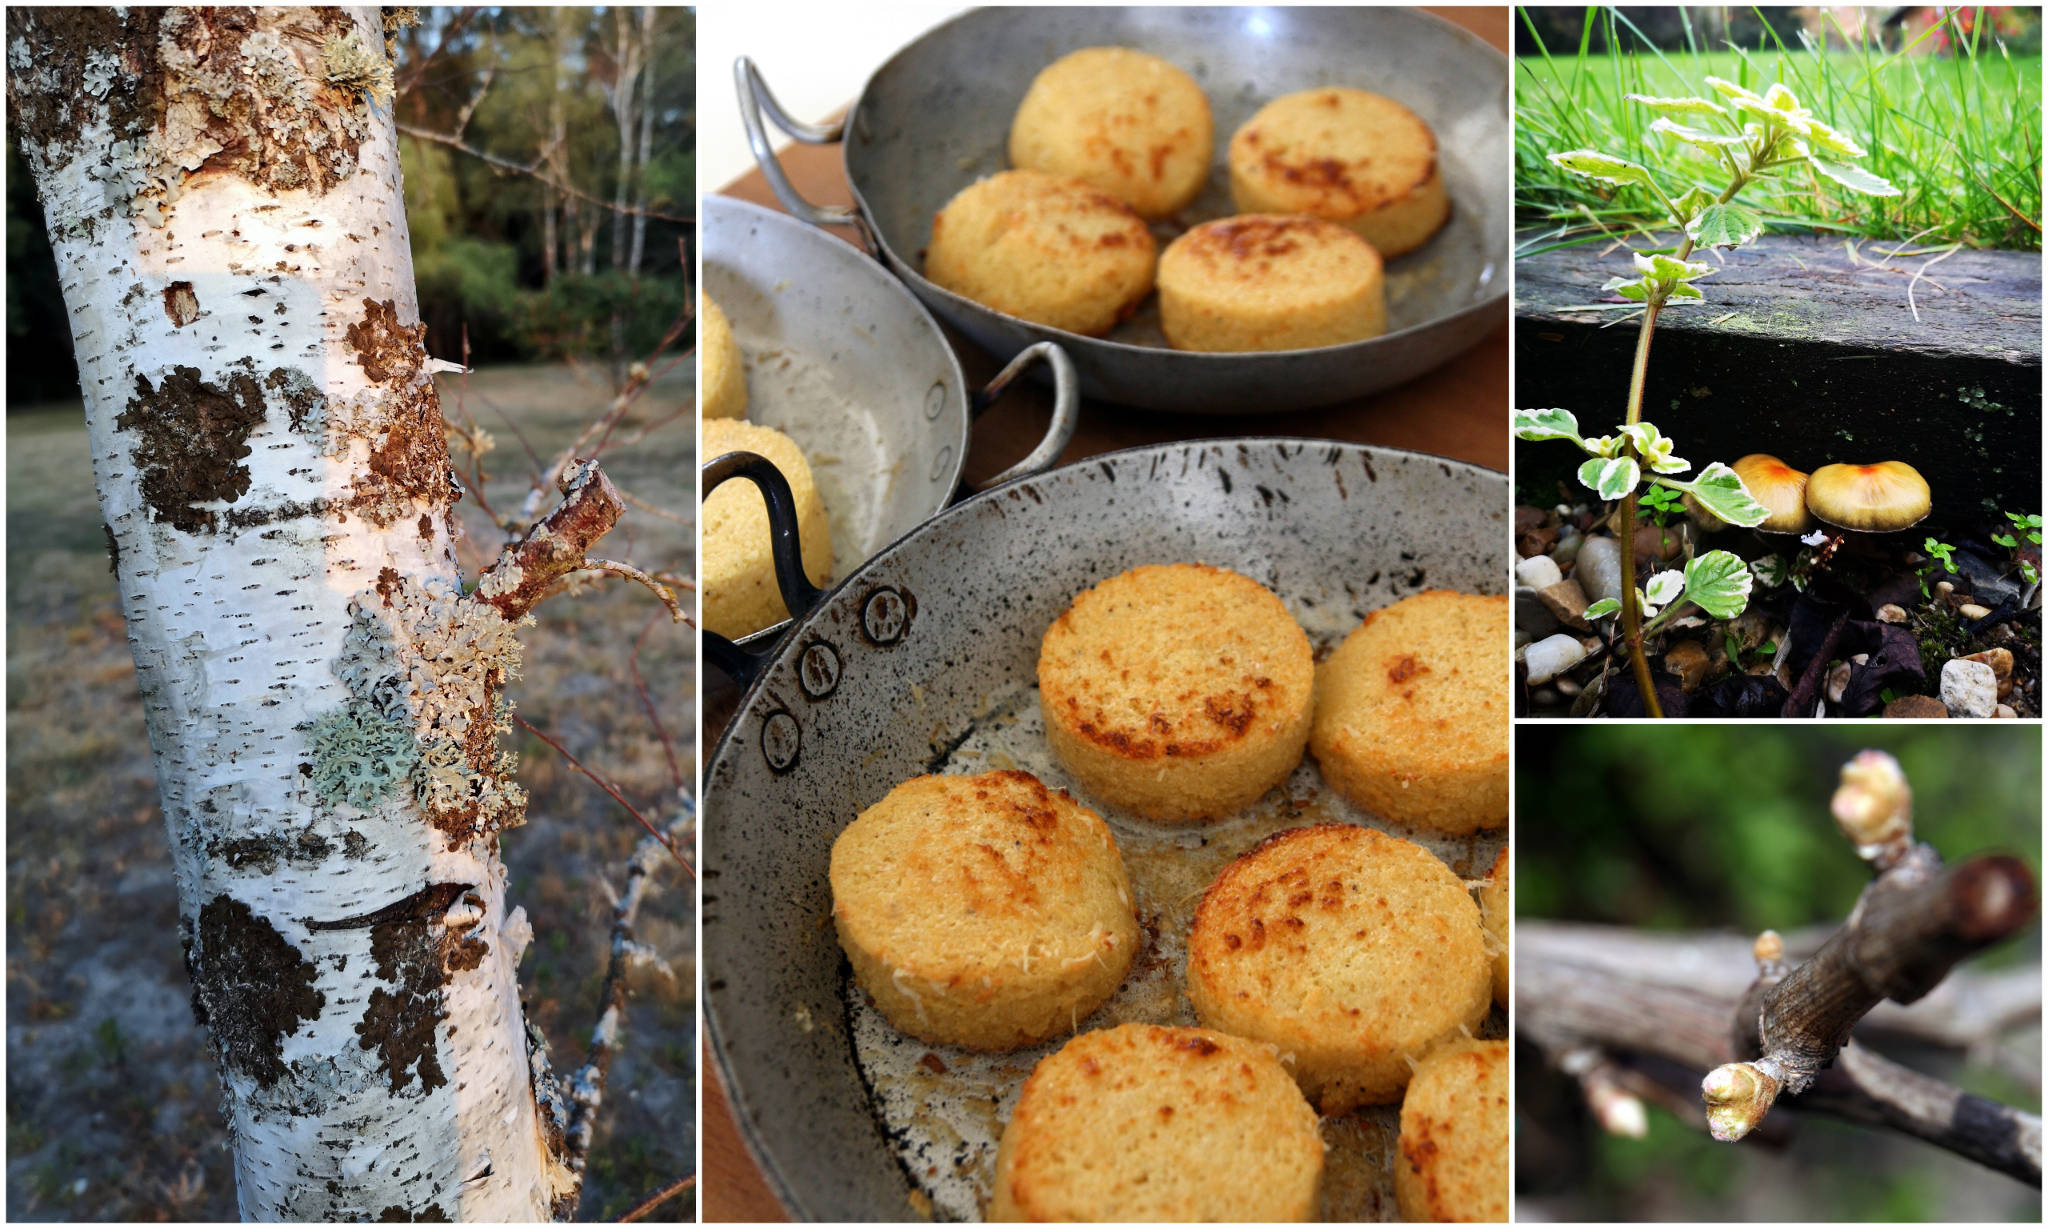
(1718, 583)
(1721, 492)
(1689, 203)
(1770, 571)
(1833, 140)
(1725, 226)
(1654, 448)
(1662, 268)
(1602, 608)
(1781, 98)
(1634, 289)
(1702, 137)
(1612, 477)
(1602, 167)
(1678, 106)
(1685, 291)
(1855, 178)
(1729, 90)
(1664, 588)
(1552, 424)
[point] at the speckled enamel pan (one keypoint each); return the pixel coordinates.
(935, 639)
(936, 117)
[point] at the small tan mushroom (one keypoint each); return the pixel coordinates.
(1869, 498)
(1772, 483)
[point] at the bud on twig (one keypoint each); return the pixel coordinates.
(1737, 1096)
(1874, 807)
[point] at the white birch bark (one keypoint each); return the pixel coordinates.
(224, 201)
(646, 141)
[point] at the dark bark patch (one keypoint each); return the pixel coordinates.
(251, 988)
(414, 956)
(113, 549)
(181, 304)
(267, 854)
(426, 528)
(63, 38)
(394, 1213)
(191, 441)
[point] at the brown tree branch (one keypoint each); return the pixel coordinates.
(640, 1210)
(1678, 998)
(455, 142)
(554, 548)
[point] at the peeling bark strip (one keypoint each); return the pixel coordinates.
(324, 705)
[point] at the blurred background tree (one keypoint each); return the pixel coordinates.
(1726, 828)
(601, 101)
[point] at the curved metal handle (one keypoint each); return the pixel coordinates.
(1066, 409)
(786, 543)
(754, 97)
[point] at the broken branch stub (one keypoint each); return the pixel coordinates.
(528, 568)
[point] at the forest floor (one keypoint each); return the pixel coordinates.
(113, 1108)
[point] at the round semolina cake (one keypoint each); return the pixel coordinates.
(1411, 713)
(1496, 912)
(1147, 1123)
(1454, 1136)
(1270, 282)
(1356, 158)
(736, 576)
(1044, 248)
(1349, 950)
(1120, 120)
(725, 373)
(1177, 692)
(983, 911)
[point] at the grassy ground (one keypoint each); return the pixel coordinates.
(1959, 135)
(113, 1105)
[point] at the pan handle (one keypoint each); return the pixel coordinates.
(798, 593)
(754, 98)
(1066, 408)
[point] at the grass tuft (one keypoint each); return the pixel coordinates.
(1959, 133)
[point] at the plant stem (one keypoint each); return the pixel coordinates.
(1631, 609)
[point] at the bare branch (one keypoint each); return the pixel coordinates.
(455, 142)
(585, 1089)
(662, 1196)
(668, 597)
(608, 788)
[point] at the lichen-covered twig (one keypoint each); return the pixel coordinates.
(1912, 924)
(529, 567)
(629, 572)
(585, 1088)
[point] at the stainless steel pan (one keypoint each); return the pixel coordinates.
(936, 117)
(924, 661)
(847, 364)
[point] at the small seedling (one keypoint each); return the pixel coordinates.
(1751, 136)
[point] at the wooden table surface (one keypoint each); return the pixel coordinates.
(1459, 410)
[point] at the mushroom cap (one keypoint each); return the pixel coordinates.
(1778, 487)
(1869, 498)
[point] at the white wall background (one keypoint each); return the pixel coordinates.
(815, 55)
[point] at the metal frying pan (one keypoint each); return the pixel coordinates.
(924, 661)
(847, 364)
(936, 117)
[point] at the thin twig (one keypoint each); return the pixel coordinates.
(668, 745)
(521, 168)
(668, 599)
(658, 1198)
(608, 788)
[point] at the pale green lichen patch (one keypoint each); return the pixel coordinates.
(352, 66)
(421, 656)
(360, 755)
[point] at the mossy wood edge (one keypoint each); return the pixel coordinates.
(1801, 352)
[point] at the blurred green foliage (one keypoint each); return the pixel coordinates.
(1671, 826)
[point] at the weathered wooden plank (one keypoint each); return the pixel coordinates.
(1806, 351)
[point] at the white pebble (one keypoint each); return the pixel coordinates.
(1969, 688)
(1538, 572)
(1553, 655)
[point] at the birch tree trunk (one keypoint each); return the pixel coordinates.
(323, 703)
(624, 88)
(646, 142)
